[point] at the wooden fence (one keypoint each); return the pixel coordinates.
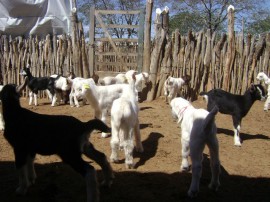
(204, 56)
(186, 55)
(189, 55)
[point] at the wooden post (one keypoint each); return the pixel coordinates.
(207, 60)
(147, 36)
(255, 58)
(161, 32)
(91, 40)
(230, 50)
(140, 41)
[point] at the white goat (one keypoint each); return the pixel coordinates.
(144, 76)
(101, 97)
(77, 84)
(172, 86)
(109, 80)
(263, 77)
(125, 125)
(198, 129)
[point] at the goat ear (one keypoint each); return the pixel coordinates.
(252, 87)
(134, 76)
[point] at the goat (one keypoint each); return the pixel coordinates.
(144, 76)
(109, 80)
(30, 133)
(236, 105)
(101, 97)
(263, 77)
(39, 83)
(77, 84)
(198, 129)
(62, 87)
(125, 125)
(172, 86)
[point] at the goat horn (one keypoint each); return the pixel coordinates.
(20, 88)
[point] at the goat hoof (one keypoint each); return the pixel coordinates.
(112, 160)
(213, 186)
(139, 149)
(130, 166)
(238, 144)
(192, 194)
(21, 191)
(106, 184)
(185, 169)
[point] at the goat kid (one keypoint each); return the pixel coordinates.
(144, 76)
(125, 125)
(101, 97)
(30, 133)
(172, 86)
(236, 105)
(62, 87)
(263, 77)
(76, 87)
(109, 80)
(36, 84)
(198, 129)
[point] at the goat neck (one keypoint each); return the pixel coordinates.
(248, 101)
(10, 101)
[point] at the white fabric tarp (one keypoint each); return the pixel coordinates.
(35, 17)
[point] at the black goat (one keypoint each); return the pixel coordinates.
(236, 105)
(39, 83)
(30, 133)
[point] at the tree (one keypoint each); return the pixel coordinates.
(185, 21)
(84, 7)
(259, 25)
(213, 13)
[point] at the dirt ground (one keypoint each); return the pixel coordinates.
(245, 170)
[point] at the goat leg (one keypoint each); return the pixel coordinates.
(102, 161)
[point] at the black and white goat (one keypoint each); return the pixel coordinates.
(62, 87)
(264, 78)
(30, 133)
(236, 105)
(198, 129)
(36, 84)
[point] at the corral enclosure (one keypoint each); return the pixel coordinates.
(216, 60)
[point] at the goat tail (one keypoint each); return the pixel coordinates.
(97, 124)
(204, 95)
(209, 120)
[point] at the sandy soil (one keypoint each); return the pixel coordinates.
(245, 170)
